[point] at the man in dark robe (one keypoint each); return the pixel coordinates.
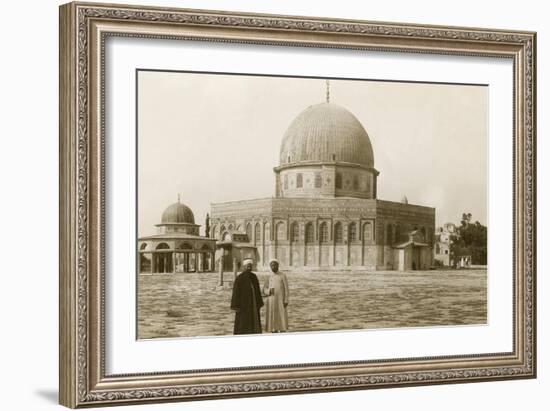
(247, 301)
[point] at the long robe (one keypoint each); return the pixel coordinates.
(276, 317)
(247, 301)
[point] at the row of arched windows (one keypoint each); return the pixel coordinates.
(338, 232)
(309, 234)
(394, 232)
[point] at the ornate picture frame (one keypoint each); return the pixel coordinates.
(84, 29)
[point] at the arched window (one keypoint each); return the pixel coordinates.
(281, 231)
(423, 231)
(257, 233)
(163, 246)
(143, 246)
(267, 232)
(338, 233)
(226, 236)
(214, 231)
(367, 231)
(310, 238)
(353, 232)
(338, 180)
(299, 180)
(222, 229)
(249, 231)
(239, 228)
(318, 180)
(230, 227)
(356, 182)
(323, 232)
(294, 232)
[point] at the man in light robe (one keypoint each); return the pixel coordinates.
(246, 301)
(276, 291)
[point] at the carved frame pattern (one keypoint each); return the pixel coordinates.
(82, 378)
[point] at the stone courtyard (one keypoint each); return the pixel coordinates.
(188, 305)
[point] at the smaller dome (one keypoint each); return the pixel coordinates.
(177, 213)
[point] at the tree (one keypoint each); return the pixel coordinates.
(470, 239)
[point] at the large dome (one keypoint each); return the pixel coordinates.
(177, 213)
(326, 132)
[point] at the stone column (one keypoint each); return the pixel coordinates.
(332, 239)
(348, 246)
(153, 262)
(361, 235)
(221, 270)
(302, 237)
(262, 237)
(290, 244)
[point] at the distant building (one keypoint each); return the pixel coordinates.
(325, 214)
(442, 244)
(178, 247)
(463, 261)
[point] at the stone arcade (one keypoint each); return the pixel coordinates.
(178, 247)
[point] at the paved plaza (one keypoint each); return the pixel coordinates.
(191, 304)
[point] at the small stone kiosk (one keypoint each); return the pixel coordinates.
(232, 250)
(177, 247)
(413, 253)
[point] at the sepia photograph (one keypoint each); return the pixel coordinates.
(271, 204)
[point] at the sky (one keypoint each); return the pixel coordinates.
(214, 137)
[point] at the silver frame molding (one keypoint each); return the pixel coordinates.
(83, 30)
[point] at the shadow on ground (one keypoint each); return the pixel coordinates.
(50, 395)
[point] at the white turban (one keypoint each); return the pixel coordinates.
(274, 260)
(248, 261)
